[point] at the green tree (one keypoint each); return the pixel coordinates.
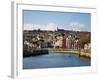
(85, 37)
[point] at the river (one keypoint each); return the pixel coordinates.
(54, 60)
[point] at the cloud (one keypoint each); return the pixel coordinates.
(28, 26)
(49, 26)
(75, 26)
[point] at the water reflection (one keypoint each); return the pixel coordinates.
(54, 60)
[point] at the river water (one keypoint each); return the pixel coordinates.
(55, 60)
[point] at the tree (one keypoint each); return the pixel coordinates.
(85, 37)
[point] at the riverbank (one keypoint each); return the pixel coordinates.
(36, 52)
(80, 53)
(84, 54)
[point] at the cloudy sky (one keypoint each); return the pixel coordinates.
(51, 20)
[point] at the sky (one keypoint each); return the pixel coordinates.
(47, 20)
